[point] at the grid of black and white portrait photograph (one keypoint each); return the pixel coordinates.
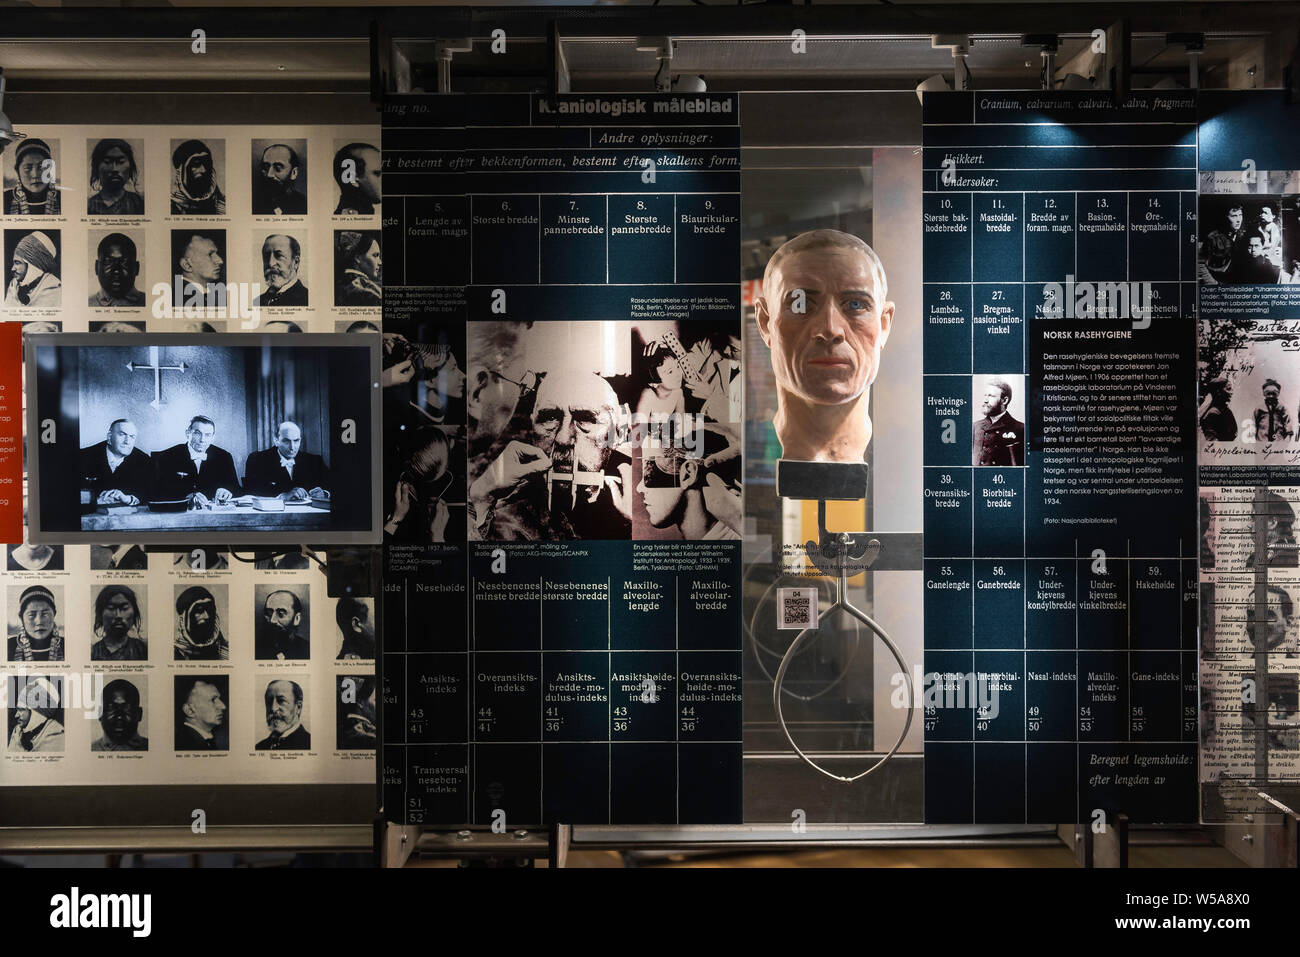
(206, 436)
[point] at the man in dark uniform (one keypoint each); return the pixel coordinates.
(285, 471)
(115, 471)
(999, 436)
(197, 470)
(284, 718)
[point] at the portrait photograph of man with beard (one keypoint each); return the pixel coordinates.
(198, 172)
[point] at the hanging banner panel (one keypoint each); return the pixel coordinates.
(1060, 466)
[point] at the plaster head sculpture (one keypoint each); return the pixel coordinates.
(824, 315)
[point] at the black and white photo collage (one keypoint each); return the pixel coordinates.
(127, 666)
(178, 230)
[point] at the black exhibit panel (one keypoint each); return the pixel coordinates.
(561, 384)
(1060, 486)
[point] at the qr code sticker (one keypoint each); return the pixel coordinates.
(796, 608)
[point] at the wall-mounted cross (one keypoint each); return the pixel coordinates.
(157, 373)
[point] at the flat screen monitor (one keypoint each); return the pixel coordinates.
(203, 439)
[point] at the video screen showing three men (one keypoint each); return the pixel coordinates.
(173, 438)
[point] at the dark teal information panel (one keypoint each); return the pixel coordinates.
(1060, 458)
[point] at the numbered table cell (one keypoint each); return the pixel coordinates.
(393, 702)
(394, 600)
(507, 615)
(998, 696)
(437, 697)
(507, 696)
(947, 513)
(1000, 783)
(1049, 237)
(1052, 780)
(1155, 696)
(643, 612)
(999, 604)
(708, 696)
(643, 783)
(949, 782)
(945, 227)
(1187, 237)
(998, 237)
(1155, 597)
(1153, 237)
(575, 613)
(1190, 709)
(947, 338)
(949, 603)
(708, 607)
(1103, 696)
(708, 238)
(999, 511)
(574, 238)
(508, 784)
(998, 323)
(437, 784)
(641, 243)
(1050, 606)
(1102, 248)
(433, 230)
(575, 696)
(946, 712)
(505, 239)
(1050, 681)
(947, 421)
(1103, 602)
(643, 696)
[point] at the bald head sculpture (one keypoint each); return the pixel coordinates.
(825, 316)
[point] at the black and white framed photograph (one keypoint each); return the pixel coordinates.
(116, 325)
(281, 262)
(200, 560)
(201, 616)
(356, 724)
(35, 714)
(116, 177)
(116, 259)
(105, 558)
(357, 172)
(37, 626)
(1243, 240)
(32, 326)
(198, 268)
(31, 178)
(999, 434)
(228, 438)
(33, 268)
(117, 626)
(202, 712)
(198, 177)
(123, 715)
(358, 268)
(355, 620)
(282, 621)
(34, 558)
(279, 170)
(280, 716)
